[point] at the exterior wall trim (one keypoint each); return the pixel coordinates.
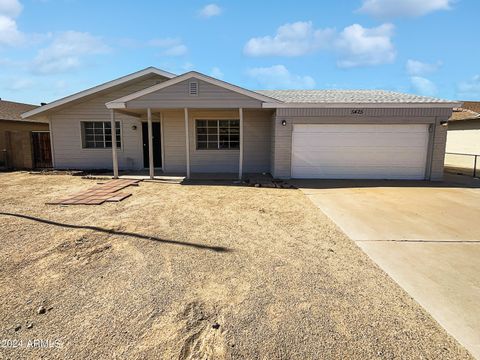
(52, 142)
(431, 145)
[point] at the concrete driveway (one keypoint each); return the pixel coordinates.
(426, 236)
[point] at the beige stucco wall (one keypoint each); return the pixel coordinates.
(174, 148)
(256, 142)
(267, 144)
(209, 96)
(463, 137)
(282, 148)
(67, 136)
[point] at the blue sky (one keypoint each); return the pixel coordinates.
(52, 48)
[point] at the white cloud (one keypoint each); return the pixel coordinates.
(170, 46)
(355, 45)
(216, 72)
(403, 8)
(423, 86)
(359, 46)
(469, 89)
(417, 71)
(66, 52)
(9, 33)
(418, 68)
(10, 8)
(210, 10)
(292, 39)
(278, 76)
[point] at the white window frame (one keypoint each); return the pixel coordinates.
(83, 135)
(218, 134)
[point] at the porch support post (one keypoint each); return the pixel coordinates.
(240, 160)
(114, 144)
(187, 143)
(150, 144)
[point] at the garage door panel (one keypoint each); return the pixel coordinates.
(359, 151)
(358, 173)
(313, 140)
(356, 128)
(362, 157)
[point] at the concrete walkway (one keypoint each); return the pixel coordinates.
(426, 236)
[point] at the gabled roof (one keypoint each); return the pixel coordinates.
(120, 81)
(319, 98)
(10, 110)
(120, 103)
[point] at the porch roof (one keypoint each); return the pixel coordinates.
(126, 101)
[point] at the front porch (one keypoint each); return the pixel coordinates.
(205, 126)
(183, 142)
(230, 139)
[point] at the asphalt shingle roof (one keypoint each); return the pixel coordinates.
(472, 106)
(347, 96)
(10, 110)
(469, 111)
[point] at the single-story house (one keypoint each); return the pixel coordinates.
(463, 139)
(23, 144)
(199, 124)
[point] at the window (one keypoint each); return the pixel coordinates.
(218, 134)
(98, 134)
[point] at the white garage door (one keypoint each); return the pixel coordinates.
(359, 151)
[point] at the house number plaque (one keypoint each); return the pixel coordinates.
(356, 112)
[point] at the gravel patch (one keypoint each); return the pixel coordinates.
(195, 272)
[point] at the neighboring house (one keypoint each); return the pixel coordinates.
(23, 144)
(463, 138)
(200, 124)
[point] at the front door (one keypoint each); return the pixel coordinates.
(157, 145)
(42, 151)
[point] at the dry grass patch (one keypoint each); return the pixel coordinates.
(196, 272)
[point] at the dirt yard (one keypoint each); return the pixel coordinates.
(194, 272)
